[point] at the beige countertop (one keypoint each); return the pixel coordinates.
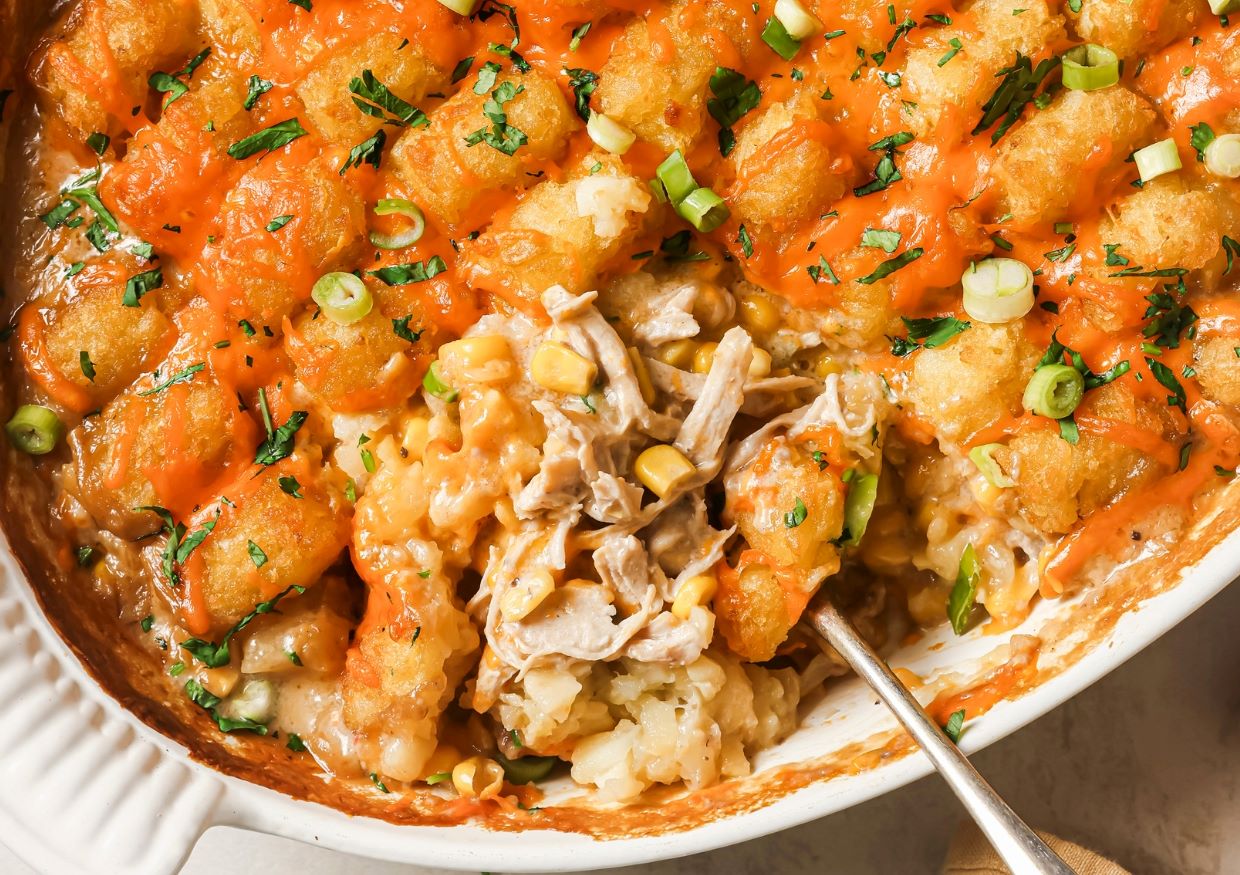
(1144, 766)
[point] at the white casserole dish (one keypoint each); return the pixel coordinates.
(86, 788)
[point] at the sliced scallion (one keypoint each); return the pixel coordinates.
(526, 770)
(1223, 156)
(858, 507)
(703, 209)
(1156, 159)
(983, 457)
(460, 7)
(997, 290)
(1054, 391)
(609, 134)
(676, 177)
(434, 385)
(1224, 7)
(343, 297)
(399, 207)
(35, 429)
(781, 42)
(796, 19)
(1090, 67)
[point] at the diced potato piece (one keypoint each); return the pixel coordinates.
(1135, 27)
(989, 39)
(1218, 368)
(361, 366)
(154, 450)
(262, 275)
(1045, 167)
(563, 233)
(325, 89)
(1166, 223)
(655, 81)
(300, 537)
(1058, 483)
(96, 72)
(786, 167)
(973, 381)
(87, 316)
(447, 175)
(310, 633)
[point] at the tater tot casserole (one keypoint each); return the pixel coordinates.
(437, 398)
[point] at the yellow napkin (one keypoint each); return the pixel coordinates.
(971, 854)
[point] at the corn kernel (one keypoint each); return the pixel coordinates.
(662, 468)
(760, 366)
(416, 434)
(759, 315)
(478, 777)
(695, 592)
(526, 593)
(985, 492)
(825, 364)
(642, 373)
(486, 358)
(713, 306)
(704, 358)
(678, 353)
(558, 368)
(444, 759)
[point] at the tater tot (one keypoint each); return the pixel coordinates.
(1058, 483)
(87, 329)
(447, 174)
(325, 89)
(1134, 27)
(149, 450)
(300, 537)
(261, 274)
(231, 28)
(655, 80)
(973, 381)
(563, 232)
(1218, 368)
(1167, 223)
(989, 41)
(787, 168)
(1043, 165)
(94, 74)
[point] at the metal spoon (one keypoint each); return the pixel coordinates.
(1018, 845)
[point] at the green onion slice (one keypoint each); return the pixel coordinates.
(35, 429)
(1090, 67)
(1156, 159)
(343, 297)
(1224, 7)
(983, 457)
(858, 506)
(1223, 156)
(798, 22)
(526, 770)
(432, 383)
(703, 209)
(399, 207)
(781, 42)
(676, 177)
(1054, 391)
(964, 592)
(997, 290)
(609, 134)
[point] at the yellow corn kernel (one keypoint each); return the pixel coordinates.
(760, 366)
(642, 373)
(415, 437)
(759, 315)
(478, 777)
(558, 368)
(486, 358)
(825, 365)
(695, 592)
(678, 353)
(526, 593)
(444, 759)
(662, 468)
(985, 492)
(713, 306)
(704, 358)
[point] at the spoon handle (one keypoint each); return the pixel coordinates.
(1018, 845)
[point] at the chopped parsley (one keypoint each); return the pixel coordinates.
(400, 327)
(501, 136)
(1019, 86)
(278, 222)
(256, 87)
(582, 82)
(886, 171)
(881, 238)
(257, 556)
(928, 333)
(171, 84)
(141, 284)
(742, 236)
(179, 377)
(87, 366)
(797, 515)
(404, 274)
(98, 143)
(279, 443)
(209, 702)
(375, 99)
(217, 655)
(268, 139)
(369, 151)
(290, 486)
(891, 265)
(734, 96)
